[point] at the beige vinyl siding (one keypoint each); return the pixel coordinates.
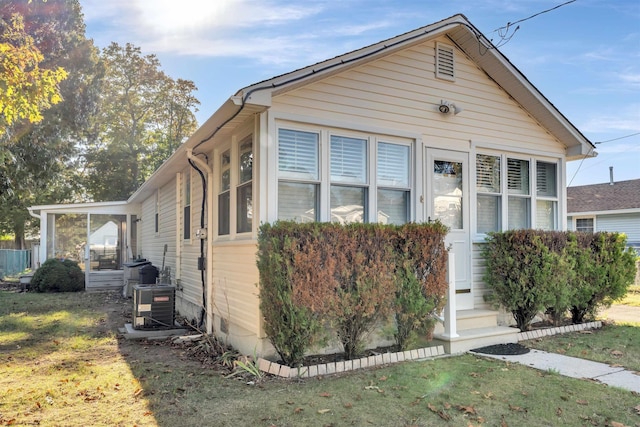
(234, 283)
(190, 277)
(477, 271)
(152, 243)
(401, 92)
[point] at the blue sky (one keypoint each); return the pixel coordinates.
(584, 56)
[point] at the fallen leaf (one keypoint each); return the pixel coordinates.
(137, 392)
(503, 423)
(467, 409)
(348, 405)
(582, 402)
(517, 408)
(616, 353)
(383, 378)
(637, 408)
(325, 394)
(323, 411)
(147, 414)
(474, 375)
(441, 414)
(298, 410)
(559, 412)
(616, 424)
(586, 332)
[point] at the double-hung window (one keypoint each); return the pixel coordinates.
(244, 197)
(585, 225)
(224, 194)
(519, 194)
(365, 179)
(513, 183)
(547, 196)
(393, 181)
(349, 190)
(489, 193)
(299, 175)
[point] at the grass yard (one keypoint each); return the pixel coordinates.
(62, 364)
(632, 298)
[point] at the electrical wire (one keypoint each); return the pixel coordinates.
(503, 32)
(616, 139)
(579, 166)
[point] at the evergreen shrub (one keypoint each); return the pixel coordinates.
(56, 275)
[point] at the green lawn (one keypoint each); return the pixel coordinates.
(62, 364)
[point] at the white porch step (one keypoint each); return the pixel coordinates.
(471, 319)
(468, 339)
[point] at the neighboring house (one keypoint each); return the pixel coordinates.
(433, 124)
(612, 206)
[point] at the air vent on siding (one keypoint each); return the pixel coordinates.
(445, 62)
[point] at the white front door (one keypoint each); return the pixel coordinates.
(447, 184)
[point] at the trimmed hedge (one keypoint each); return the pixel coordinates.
(533, 271)
(348, 277)
(56, 275)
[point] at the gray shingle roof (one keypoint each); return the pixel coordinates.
(604, 197)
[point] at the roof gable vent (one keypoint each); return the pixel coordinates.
(445, 62)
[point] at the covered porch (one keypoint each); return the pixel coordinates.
(101, 237)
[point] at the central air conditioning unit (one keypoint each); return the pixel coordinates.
(154, 307)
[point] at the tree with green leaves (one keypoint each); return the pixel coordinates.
(40, 161)
(144, 116)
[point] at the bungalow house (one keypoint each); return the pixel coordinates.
(432, 124)
(611, 206)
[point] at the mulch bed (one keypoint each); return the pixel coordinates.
(512, 349)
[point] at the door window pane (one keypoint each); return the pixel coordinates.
(348, 160)
(393, 206)
(224, 203)
(447, 193)
(297, 201)
(347, 204)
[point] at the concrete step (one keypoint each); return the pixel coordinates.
(472, 319)
(468, 339)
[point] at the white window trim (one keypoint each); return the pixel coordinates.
(533, 158)
(576, 218)
(324, 173)
(238, 184)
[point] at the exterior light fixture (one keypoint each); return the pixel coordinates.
(445, 107)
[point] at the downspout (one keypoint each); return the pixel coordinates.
(205, 273)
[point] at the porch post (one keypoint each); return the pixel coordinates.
(87, 251)
(450, 328)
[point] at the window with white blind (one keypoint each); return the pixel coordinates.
(489, 193)
(524, 208)
(298, 173)
(393, 168)
(244, 196)
(367, 180)
(224, 194)
(547, 196)
(348, 191)
(519, 205)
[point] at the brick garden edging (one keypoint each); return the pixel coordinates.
(539, 333)
(285, 371)
(348, 365)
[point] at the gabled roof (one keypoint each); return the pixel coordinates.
(621, 195)
(257, 97)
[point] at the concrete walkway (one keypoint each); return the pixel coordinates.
(576, 368)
